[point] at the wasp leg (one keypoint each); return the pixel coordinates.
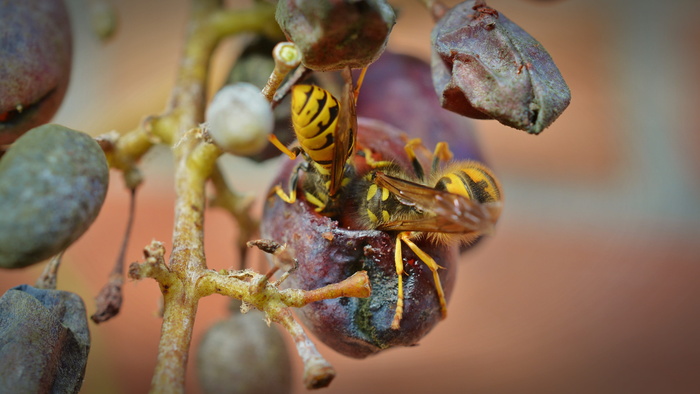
(374, 163)
(430, 262)
(320, 205)
(442, 153)
(398, 260)
(293, 180)
(410, 149)
(292, 153)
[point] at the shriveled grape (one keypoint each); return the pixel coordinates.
(44, 341)
(336, 34)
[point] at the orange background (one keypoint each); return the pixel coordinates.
(589, 285)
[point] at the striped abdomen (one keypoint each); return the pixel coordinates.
(470, 179)
(315, 118)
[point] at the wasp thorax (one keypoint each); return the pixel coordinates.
(336, 34)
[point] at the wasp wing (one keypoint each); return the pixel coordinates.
(345, 133)
(445, 212)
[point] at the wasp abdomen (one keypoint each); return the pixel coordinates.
(472, 180)
(315, 118)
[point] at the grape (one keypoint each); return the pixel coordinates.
(398, 89)
(44, 341)
(35, 65)
(53, 181)
(239, 119)
(243, 355)
(487, 67)
(328, 252)
(254, 66)
(336, 34)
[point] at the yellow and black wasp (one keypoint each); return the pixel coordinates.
(456, 202)
(326, 132)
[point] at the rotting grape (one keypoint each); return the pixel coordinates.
(35, 65)
(53, 181)
(328, 252)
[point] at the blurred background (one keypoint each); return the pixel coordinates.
(591, 281)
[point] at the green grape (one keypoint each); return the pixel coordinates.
(243, 355)
(53, 181)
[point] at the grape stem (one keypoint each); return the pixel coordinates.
(109, 300)
(195, 161)
(185, 278)
(246, 286)
(47, 279)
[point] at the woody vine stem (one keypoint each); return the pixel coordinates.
(186, 278)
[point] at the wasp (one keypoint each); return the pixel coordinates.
(326, 132)
(456, 202)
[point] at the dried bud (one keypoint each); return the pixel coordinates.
(335, 34)
(103, 18)
(53, 181)
(239, 119)
(485, 66)
(44, 341)
(255, 65)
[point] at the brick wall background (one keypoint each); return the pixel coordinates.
(589, 285)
